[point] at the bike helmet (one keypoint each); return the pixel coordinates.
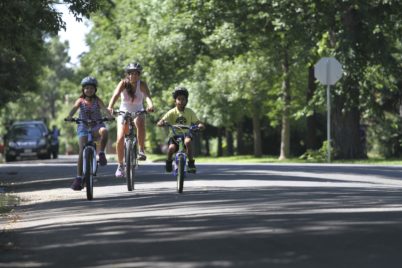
(180, 91)
(133, 67)
(89, 80)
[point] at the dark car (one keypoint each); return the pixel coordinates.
(27, 139)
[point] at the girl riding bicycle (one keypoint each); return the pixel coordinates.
(91, 107)
(180, 115)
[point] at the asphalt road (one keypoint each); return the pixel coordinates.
(228, 216)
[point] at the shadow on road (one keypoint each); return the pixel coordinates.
(325, 223)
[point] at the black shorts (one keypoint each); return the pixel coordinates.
(172, 140)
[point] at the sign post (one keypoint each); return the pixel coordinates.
(328, 71)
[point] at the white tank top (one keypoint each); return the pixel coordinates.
(132, 105)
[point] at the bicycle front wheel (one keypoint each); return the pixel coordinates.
(88, 175)
(130, 164)
(181, 163)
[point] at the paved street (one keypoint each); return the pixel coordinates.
(229, 215)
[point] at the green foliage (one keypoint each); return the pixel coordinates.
(239, 59)
(319, 155)
(25, 27)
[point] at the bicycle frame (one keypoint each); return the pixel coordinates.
(89, 169)
(180, 158)
(130, 146)
(180, 152)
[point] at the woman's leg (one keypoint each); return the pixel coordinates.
(140, 125)
(120, 142)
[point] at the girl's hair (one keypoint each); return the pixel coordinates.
(130, 88)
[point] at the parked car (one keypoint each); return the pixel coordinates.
(27, 139)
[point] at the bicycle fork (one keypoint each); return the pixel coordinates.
(176, 162)
(94, 162)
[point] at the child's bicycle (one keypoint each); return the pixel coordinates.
(179, 163)
(89, 161)
(130, 146)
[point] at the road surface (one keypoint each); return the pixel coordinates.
(255, 215)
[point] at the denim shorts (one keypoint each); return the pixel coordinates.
(82, 131)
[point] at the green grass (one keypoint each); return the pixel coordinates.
(7, 202)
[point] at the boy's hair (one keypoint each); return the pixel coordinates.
(180, 91)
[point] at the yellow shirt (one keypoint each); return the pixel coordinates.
(186, 117)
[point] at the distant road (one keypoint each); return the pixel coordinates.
(254, 215)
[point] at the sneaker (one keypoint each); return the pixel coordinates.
(77, 184)
(168, 166)
(119, 172)
(191, 167)
(142, 156)
(102, 159)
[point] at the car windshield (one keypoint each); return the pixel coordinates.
(24, 132)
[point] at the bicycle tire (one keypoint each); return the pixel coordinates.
(88, 176)
(129, 165)
(180, 173)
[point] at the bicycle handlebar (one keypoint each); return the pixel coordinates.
(191, 128)
(88, 121)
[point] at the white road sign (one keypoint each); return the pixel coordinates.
(328, 71)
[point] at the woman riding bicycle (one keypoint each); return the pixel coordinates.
(133, 92)
(91, 107)
(185, 116)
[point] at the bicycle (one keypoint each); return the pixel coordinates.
(179, 170)
(89, 161)
(130, 146)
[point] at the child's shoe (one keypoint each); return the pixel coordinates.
(120, 171)
(102, 159)
(142, 156)
(191, 167)
(168, 166)
(77, 184)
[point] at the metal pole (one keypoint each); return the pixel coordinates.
(328, 125)
(328, 116)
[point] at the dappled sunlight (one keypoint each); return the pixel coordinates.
(233, 215)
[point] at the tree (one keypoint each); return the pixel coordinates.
(25, 25)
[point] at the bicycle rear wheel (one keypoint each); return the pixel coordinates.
(88, 176)
(181, 163)
(130, 164)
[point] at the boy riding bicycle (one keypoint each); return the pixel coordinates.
(185, 116)
(91, 107)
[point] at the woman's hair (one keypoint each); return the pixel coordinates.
(130, 88)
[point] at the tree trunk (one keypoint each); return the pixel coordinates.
(207, 149)
(285, 132)
(311, 134)
(241, 149)
(257, 129)
(220, 145)
(346, 114)
(346, 140)
(229, 142)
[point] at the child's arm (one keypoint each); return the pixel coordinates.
(163, 121)
(200, 125)
(115, 96)
(103, 109)
(74, 109)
